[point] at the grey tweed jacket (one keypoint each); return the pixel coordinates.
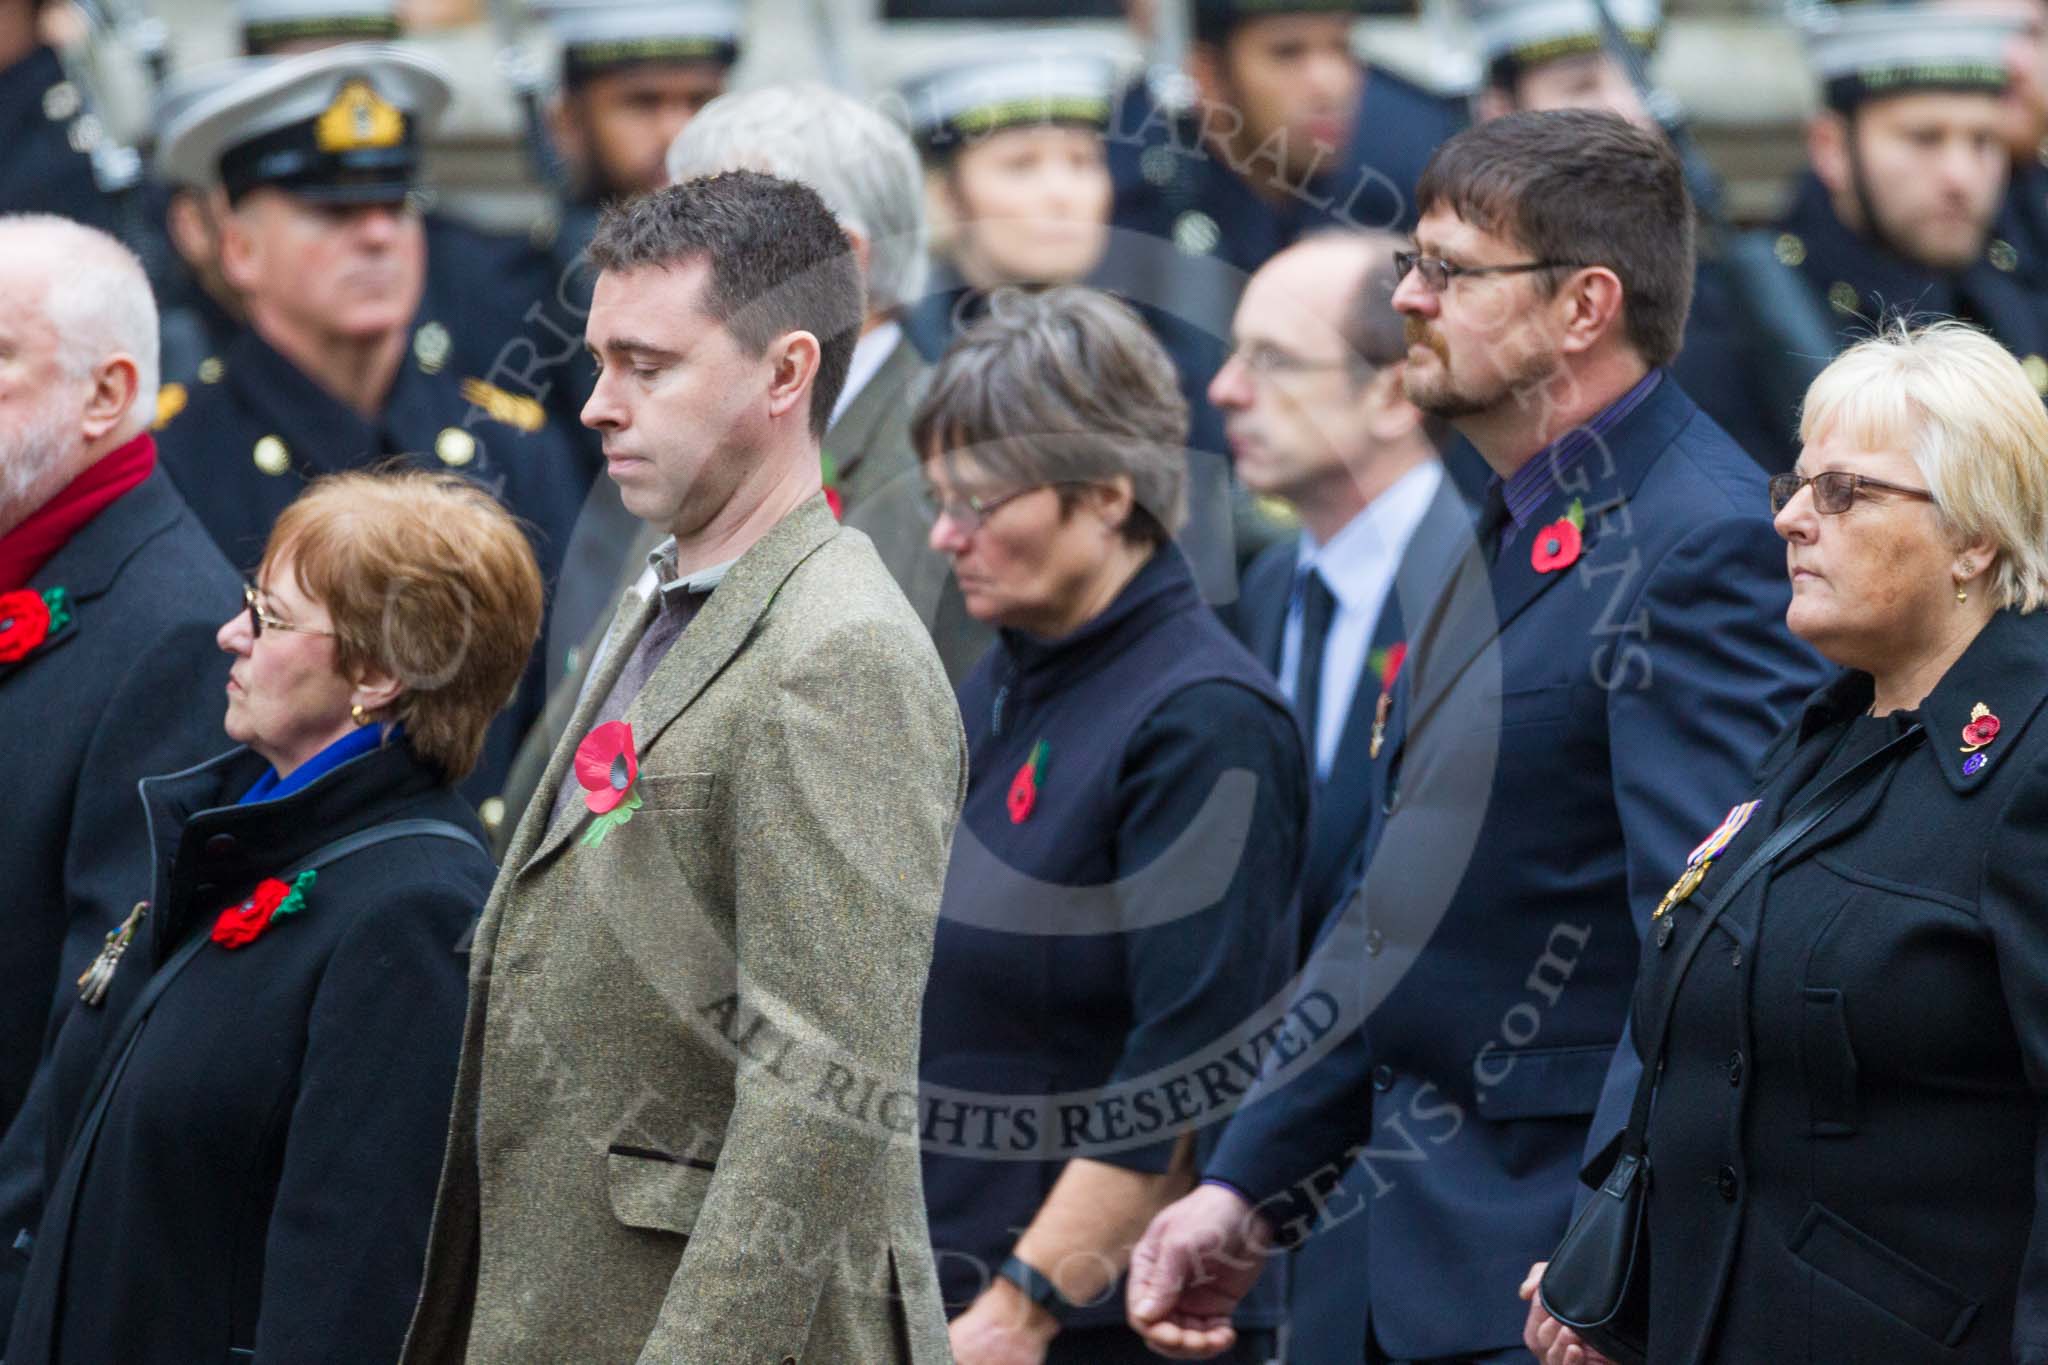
(685, 1124)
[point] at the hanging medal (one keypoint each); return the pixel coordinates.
(93, 982)
(1702, 858)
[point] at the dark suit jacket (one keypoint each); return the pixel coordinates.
(1847, 1138)
(1344, 800)
(1558, 742)
(1326, 1314)
(133, 687)
(261, 1181)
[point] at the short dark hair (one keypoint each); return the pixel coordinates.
(1586, 186)
(1064, 386)
(780, 263)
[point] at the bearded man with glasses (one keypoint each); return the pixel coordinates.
(1589, 692)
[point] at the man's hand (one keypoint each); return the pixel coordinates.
(1002, 1327)
(1197, 1260)
(1552, 1341)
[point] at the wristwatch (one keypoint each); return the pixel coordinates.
(1035, 1286)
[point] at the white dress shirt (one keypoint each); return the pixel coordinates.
(1358, 565)
(868, 354)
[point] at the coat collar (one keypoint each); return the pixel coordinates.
(719, 631)
(2005, 669)
(200, 838)
(87, 564)
(1163, 585)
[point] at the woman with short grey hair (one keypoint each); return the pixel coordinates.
(1114, 732)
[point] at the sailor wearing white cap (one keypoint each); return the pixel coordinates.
(309, 160)
(633, 73)
(1549, 54)
(1909, 173)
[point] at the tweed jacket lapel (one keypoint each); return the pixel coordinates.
(628, 624)
(719, 631)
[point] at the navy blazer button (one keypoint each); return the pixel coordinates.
(1735, 1068)
(1374, 941)
(221, 846)
(1383, 1078)
(1727, 1183)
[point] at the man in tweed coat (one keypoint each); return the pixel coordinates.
(685, 1123)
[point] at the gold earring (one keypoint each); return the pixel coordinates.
(357, 714)
(1961, 595)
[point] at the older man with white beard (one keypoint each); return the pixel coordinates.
(110, 591)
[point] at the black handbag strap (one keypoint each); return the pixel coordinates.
(1823, 803)
(114, 1059)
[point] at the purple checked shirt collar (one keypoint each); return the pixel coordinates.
(1531, 485)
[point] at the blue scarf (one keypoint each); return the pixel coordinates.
(354, 744)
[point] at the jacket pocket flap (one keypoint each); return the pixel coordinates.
(653, 1190)
(1541, 1082)
(1872, 1271)
(677, 791)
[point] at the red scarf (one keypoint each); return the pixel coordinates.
(44, 531)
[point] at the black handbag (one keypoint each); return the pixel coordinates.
(1598, 1279)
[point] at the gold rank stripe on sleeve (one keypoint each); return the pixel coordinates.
(512, 409)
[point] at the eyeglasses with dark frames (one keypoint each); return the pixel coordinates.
(1834, 491)
(261, 620)
(968, 512)
(1437, 273)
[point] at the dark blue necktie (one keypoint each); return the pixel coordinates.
(1317, 607)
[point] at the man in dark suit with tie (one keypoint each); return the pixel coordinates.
(1590, 692)
(1316, 416)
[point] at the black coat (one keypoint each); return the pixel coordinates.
(1846, 1142)
(132, 687)
(265, 1171)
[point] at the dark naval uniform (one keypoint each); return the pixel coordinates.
(1173, 188)
(1863, 282)
(254, 429)
(43, 168)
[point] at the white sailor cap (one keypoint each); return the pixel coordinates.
(343, 124)
(1867, 49)
(268, 25)
(598, 35)
(986, 87)
(1526, 33)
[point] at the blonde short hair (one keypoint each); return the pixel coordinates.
(1961, 406)
(427, 579)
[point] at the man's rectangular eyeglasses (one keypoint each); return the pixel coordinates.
(1835, 491)
(1438, 273)
(259, 620)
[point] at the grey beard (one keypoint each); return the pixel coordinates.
(28, 452)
